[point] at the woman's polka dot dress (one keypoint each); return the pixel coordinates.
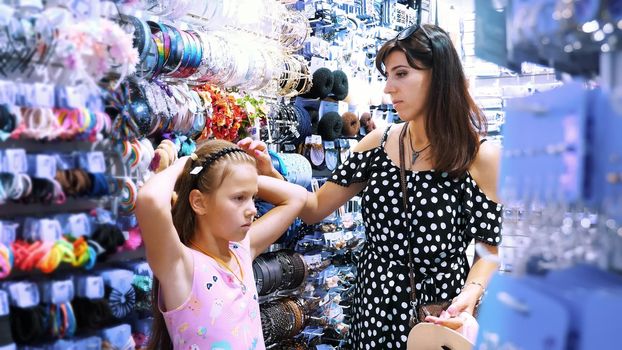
(446, 215)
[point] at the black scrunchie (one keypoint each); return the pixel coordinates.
(305, 127)
(28, 324)
(315, 118)
(5, 331)
(322, 83)
(7, 119)
(91, 314)
(330, 126)
(340, 85)
(109, 237)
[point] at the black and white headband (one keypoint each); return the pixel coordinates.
(196, 171)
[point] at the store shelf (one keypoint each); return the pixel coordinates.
(13, 210)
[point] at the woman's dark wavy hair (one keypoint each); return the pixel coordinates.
(453, 121)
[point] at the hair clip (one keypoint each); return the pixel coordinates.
(194, 157)
(196, 170)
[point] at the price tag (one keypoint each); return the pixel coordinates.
(28, 94)
(61, 292)
(94, 287)
(46, 167)
(96, 162)
(34, 4)
(327, 106)
(117, 336)
(80, 7)
(49, 230)
(44, 95)
(143, 269)
(333, 236)
(329, 144)
(75, 99)
(120, 280)
(7, 93)
(313, 259)
(4, 303)
(342, 107)
(15, 161)
(7, 232)
(309, 140)
(316, 63)
(24, 294)
(104, 216)
(79, 225)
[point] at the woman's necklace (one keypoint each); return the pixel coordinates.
(226, 266)
(415, 154)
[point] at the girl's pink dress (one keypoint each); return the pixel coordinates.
(220, 313)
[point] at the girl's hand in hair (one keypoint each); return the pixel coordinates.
(259, 150)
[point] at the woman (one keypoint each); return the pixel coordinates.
(451, 180)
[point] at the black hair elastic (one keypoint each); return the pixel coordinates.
(28, 324)
(330, 126)
(5, 331)
(106, 239)
(7, 119)
(91, 314)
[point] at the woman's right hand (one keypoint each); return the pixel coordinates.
(259, 150)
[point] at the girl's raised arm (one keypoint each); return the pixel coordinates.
(164, 250)
(288, 199)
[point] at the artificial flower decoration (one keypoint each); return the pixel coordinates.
(256, 109)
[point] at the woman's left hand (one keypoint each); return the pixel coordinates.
(464, 302)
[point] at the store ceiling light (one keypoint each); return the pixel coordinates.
(590, 27)
(599, 35)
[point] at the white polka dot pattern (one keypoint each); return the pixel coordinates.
(446, 215)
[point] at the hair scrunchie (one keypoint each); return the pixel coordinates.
(304, 124)
(340, 85)
(322, 83)
(351, 124)
(330, 126)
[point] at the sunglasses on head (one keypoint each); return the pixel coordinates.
(406, 33)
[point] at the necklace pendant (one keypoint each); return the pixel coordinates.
(415, 155)
(243, 289)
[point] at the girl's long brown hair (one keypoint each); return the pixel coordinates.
(184, 218)
(453, 120)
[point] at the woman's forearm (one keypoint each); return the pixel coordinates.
(480, 274)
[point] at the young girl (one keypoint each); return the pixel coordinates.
(201, 247)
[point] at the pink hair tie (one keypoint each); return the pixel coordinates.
(134, 239)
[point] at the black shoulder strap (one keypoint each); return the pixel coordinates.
(385, 135)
